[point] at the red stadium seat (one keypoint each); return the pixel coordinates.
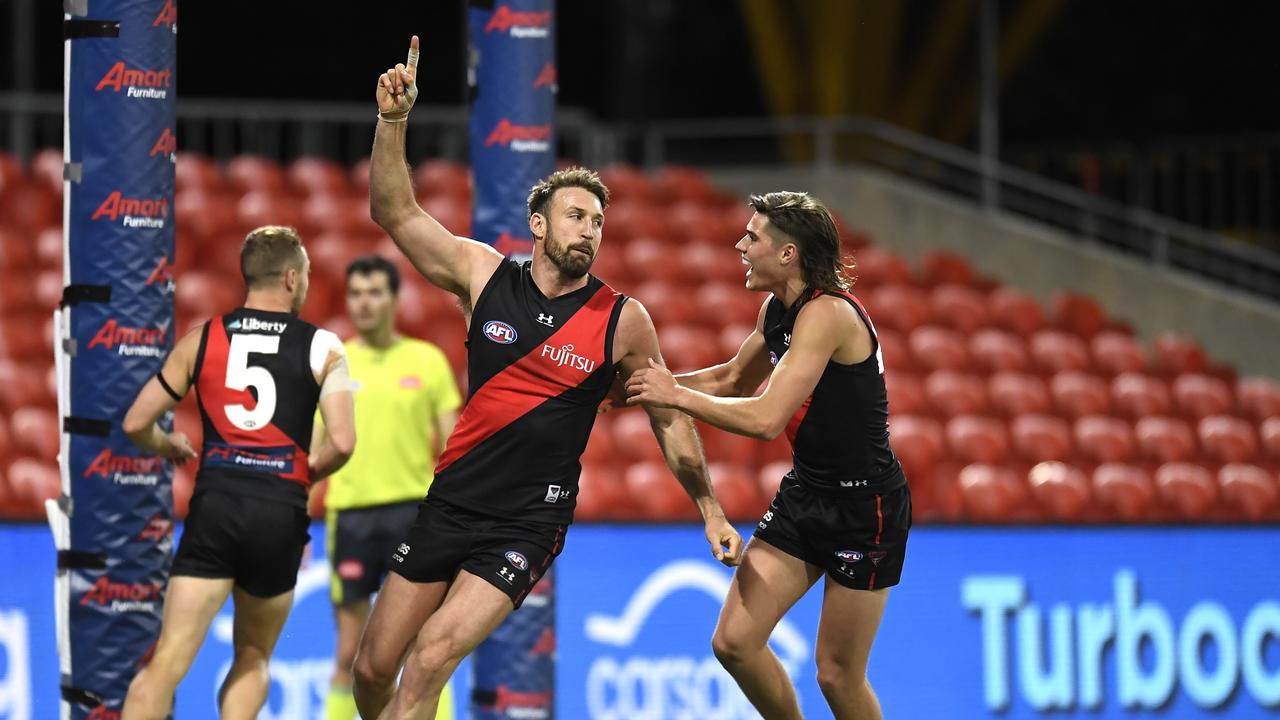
(998, 350)
(449, 210)
(17, 292)
(675, 183)
(917, 441)
(334, 213)
(726, 447)
(1227, 439)
(722, 303)
(31, 482)
(47, 288)
(955, 393)
(1015, 311)
(737, 492)
(977, 439)
(649, 259)
(35, 432)
(1080, 314)
(442, 177)
(197, 172)
(600, 448)
(1012, 393)
(694, 224)
(21, 385)
(48, 247)
(11, 170)
(667, 303)
(938, 348)
(259, 207)
(634, 438)
(1189, 490)
(21, 337)
(1038, 438)
(1249, 490)
(878, 266)
(1063, 491)
(657, 493)
(1269, 431)
(30, 207)
(207, 214)
(1175, 354)
(627, 184)
(249, 173)
(991, 493)
(311, 175)
(770, 477)
(1200, 396)
(358, 178)
(688, 347)
(730, 338)
(1056, 351)
(1135, 395)
(602, 494)
(938, 267)
(184, 485)
(958, 306)
(610, 265)
(906, 393)
(1104, 439)
(16, 251)
(1116, 352)
(1164, 439)
(1259, 397)
(47, 168)
(895, 350)
(900, 307)
(1126, 491)
(1077, 394)
(775, 450)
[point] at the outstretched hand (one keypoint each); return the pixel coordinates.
(398, 87)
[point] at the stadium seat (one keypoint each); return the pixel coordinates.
(1258, 397)
(729, 339)
(48, 169)
(775, 450)
(1189, 490)
(1039, 438)
(991, 493)
(197, 172)
(17, 292)
(31, 481)
(722, 303)
(958, 306)
(602, 494)
(649, 259)
(1269, 431)
(895, 350)
(1062, 491)
(1077, 394)
(633, 437)
(668, 303)
(1175, 354)
(1249, 490)
(30, 207)
(1015, 311)
(184, 485)
(938, 348)
(657, 493)
(1055, 351)
(6, 444)
(358, 178)
(627, 184)
(906, 393)
(877, 266)
(939, 267)
(1104, 439)
(206, 214)
(324, 212)
(1116, 352)
(312, 175)
(769, 477)
(726, 447)
(16, 252)
(900, 307)
(1079, 314)
(694, 224)
(259, 207)
(48, 248)
(1198, 395)
(977, 439)
(1125, 491)
(21, 336)
(951, 393)
(1136, 395)
(202, 294)
(1164, 439)
(701, 262)
(687, 347)
(600, 448)
(917, 441)
(995, 350)
(21, 385)
(249, 173)
(1227, 439)
(674, 183)
(452, 212)
(737, 491)
(442, 178)
(1013, 393)
(47, 289)
(11, 169)
(610, 265)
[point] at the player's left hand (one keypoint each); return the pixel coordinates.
(654, 386)
(617, 397)
(180, 450)
(726, 544)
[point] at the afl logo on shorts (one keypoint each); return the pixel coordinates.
(517, 560)
(849, 555)
(499, 332)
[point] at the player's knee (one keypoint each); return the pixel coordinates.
(838, 674)
(368, 674)
(730, 648)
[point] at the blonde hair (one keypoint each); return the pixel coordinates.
(269, 251)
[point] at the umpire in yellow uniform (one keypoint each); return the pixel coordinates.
(407, 402)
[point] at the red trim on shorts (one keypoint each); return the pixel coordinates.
(879, 520)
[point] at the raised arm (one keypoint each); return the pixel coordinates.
(740, 375)
(634, 343)
(158, 396)
(458, 265)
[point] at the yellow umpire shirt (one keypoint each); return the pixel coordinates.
(399, 391)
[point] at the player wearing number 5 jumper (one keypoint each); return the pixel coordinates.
(259, 374)
(546, 340)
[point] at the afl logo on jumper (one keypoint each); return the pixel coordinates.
(499, 332)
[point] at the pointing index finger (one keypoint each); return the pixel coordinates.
(412, 61)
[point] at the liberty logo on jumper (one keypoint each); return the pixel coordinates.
(548, 320)
(252, 323)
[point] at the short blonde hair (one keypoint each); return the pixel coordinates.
(579, 177)
(269, 251)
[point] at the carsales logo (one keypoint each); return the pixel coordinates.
(520, 24)
(123, 597)
(520, 138)
(141, 83)
(133, 212)
(131, 341)
(125, 469)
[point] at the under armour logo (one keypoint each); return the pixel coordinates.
(507, 574)
(853, 483)
(547, 320)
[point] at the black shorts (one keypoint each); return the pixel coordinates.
(257, 542)
(360, 543)
(510, 554)
(860, 540)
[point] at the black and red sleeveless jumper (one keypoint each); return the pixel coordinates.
(537, 370)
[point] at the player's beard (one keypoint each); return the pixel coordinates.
(572, 265)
